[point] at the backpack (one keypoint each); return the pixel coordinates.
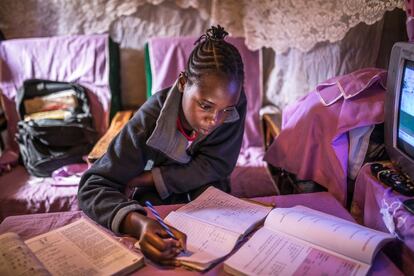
(47, 143)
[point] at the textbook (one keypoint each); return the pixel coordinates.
(62, 100)
(79, 248)
(303, 241)
(214, 223)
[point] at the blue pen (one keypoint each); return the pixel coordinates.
(159, 219)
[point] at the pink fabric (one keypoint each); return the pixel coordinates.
(8, 160)
(313, 143)
(410, 28)
(31, 225)
(25, 194)
(169, 57)
(252, 182)
(82, 59)
(350, 85)
(369, 197)
(69, 175)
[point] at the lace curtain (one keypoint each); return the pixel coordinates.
(297, 24)
(279, 24)
(25, 18)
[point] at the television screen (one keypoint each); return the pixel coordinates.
(399, 108)
(405, 134)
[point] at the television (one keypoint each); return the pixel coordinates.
(399, 108)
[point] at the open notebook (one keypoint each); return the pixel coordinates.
(79, 248)
(303, 241)
(214, 223)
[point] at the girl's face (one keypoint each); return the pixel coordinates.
(208, 102)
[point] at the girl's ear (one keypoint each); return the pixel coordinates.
(182, 80)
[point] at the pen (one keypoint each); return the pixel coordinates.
(159, 219)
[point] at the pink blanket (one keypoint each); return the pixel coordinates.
(313, 143)
(24, 194)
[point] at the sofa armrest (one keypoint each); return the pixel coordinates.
(271, 127)
(117, 123)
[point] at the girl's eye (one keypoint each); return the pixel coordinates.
(204, 106)
(228, 110)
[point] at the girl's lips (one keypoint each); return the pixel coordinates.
(204, 131)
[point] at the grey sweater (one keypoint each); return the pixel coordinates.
(151, 140)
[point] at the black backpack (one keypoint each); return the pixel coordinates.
(48, 144)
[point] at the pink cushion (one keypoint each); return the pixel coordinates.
(251, 182)
(21, 193)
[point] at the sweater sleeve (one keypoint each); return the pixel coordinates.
(101, 193)
(214, 160)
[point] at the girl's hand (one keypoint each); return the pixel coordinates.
(154, 241)
(143, 180)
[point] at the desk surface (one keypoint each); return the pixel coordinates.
(31, 225)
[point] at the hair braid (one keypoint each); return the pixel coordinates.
(214, 55)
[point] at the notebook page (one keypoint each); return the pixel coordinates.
(81, 248)
(221, 209)
(333, 233)
(274, 253)
(205, 243)
(17, 259)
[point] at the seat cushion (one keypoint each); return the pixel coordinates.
(251, 182)
(21, 193)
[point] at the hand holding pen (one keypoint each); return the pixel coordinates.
(159, 219)
(162, 223)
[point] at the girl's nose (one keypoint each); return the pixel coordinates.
(213, 119)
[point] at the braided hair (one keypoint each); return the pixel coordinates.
(214, 55)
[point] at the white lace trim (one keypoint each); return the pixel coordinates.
(297, 23)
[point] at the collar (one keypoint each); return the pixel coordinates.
(165, 136)
(180, 127)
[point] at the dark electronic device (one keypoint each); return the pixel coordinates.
(409, 205)
(394, 179)
(399, 121)
(376, 168)
(399, 108)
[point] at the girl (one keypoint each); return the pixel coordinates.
(182, 140)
